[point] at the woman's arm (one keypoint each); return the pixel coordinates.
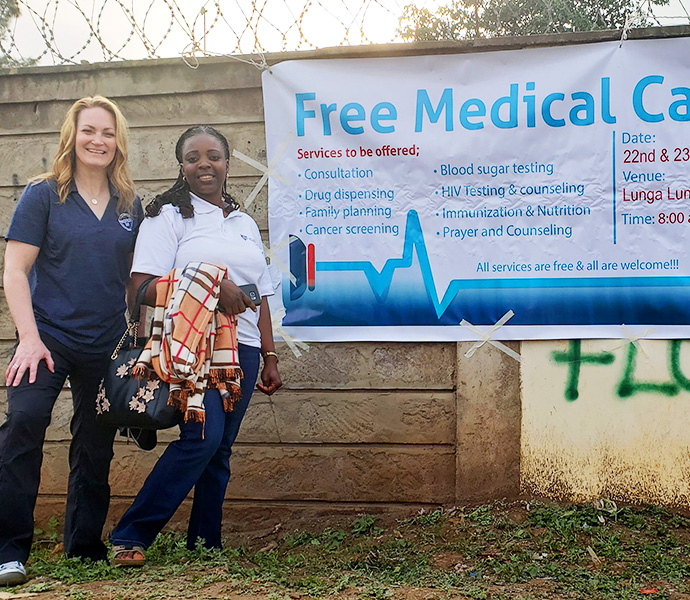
(270, 378)
(138, 279)
(233, 300)
(130, 290)
(19, 258)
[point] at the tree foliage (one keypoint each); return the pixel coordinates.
(467, 19)
(9, 10)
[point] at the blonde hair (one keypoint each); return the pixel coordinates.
(65, 161)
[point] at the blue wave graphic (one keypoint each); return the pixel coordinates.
(380, 281)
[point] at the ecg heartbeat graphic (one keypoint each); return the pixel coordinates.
(304, 266)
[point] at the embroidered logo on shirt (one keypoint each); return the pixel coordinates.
(127, 221)
(246, 238)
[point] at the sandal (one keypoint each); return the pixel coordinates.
(132, 556)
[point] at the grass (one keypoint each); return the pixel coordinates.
(518, 551)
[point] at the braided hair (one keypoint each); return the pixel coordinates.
(178, 194)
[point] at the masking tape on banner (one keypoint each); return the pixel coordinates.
(634, 338)
(275, 261)
(267, 171)
(293, 343)
(488, 337)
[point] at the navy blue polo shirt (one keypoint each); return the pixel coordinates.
(78, 279)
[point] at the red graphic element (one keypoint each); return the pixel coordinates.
(311, 267)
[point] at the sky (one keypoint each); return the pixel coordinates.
(160, 32)
(167, 34)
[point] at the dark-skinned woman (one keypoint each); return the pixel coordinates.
(197, 220)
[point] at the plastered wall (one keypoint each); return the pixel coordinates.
(607, 419)
(358, 427)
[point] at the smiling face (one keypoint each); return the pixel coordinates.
(205, 167)
(95, 145)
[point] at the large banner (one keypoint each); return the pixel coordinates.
(411, 194)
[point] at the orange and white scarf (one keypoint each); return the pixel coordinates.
(192, 346)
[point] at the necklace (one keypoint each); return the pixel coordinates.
(89, 198)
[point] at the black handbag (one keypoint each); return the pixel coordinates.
(130, 403)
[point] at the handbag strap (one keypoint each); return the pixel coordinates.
(134, 317)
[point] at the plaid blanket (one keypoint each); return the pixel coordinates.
(192, 346)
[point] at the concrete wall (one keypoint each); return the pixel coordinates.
(606, 419)
(358, 427)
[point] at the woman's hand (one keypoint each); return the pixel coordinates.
(233, 300)
(270, 378)
(19, 258)
(27, 357)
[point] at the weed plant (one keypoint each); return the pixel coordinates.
(519, 551)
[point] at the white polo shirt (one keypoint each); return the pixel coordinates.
(168, 241)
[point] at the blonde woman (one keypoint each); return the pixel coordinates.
(69, 248)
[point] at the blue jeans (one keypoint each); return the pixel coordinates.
(29, 408)
(199, 459)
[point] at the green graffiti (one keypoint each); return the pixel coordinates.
(628, 385)
(674, 362)
(574, 359)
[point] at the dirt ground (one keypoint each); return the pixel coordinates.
(518, 551)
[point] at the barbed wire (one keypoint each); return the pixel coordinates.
(73, 31)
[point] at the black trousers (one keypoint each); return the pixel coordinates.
(21, 454)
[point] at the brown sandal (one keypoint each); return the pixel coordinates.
(128, 557)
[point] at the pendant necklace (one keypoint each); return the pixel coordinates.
(94, 200)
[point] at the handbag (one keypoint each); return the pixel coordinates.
(129, 403)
